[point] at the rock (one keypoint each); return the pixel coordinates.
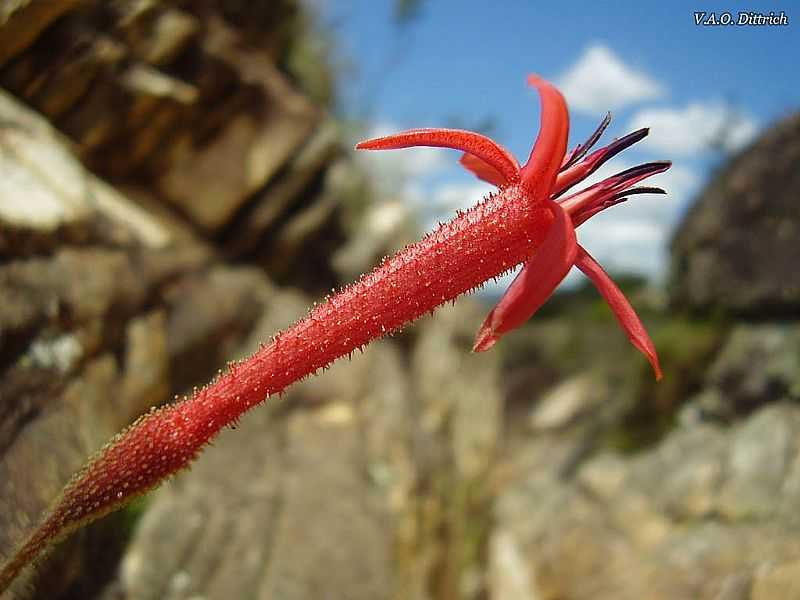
(696, 516)
(757, 365)
(146, 381)
(383, 230)
(458, 390)
(209, 314)
(163, 37)
(43, 189)
(210, 182)
(509, 575)
(176, 98)
(735, 587)
(283, 254)
(41, 454)
(56, 89)
(21, 21)
(773, 582)
(566, 402)
(61, 200)
(733, 252)
(289, 192)
(758, 465)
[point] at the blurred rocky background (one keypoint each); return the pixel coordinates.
(174, 189)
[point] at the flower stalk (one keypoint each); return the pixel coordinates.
(525, 222)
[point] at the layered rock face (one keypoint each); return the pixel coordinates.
(182, 104)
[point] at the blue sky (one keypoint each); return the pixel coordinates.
(463, 62)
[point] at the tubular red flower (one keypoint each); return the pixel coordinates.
(522, 223)
(528, 291)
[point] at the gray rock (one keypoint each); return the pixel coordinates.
(757, 364)
(706, 513)
(777, 581)
(735, 249)
(566, 402)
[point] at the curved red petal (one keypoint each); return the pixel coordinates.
(620, 306)
(548, 152)
(483, 170)
(484, 148)
(534, 284)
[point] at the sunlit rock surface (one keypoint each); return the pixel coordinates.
(736, 249)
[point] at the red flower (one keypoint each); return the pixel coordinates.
(542, 181)
(527, 221)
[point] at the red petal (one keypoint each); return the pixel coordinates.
(535, 282)
(619, 304)
(548, 152)
(483, 170)
(470, 142)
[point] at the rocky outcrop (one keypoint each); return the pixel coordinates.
(756, 365)
(705, 509)
(180, 104)
(708, 513)
(735, 251)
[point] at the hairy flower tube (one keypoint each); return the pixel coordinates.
(529, 221)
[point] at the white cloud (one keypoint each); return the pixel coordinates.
(452, 196)
(698, 127)
(440, 203)
(600, 81)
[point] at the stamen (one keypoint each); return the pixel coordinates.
(580, 171)
(581, 149)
